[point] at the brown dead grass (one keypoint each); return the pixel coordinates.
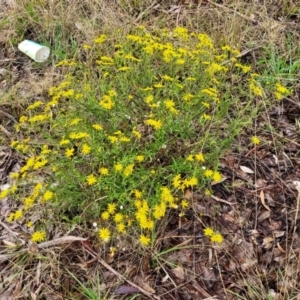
(182, 265)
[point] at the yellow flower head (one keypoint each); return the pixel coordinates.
(104, 234)
(208, 231)
(144, 240)
(103, 171)
(91, 179)
(255, 140)
(38, 236)
(216, 238)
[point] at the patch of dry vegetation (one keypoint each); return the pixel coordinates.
(257, 213)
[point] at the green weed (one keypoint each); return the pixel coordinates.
(137, 121)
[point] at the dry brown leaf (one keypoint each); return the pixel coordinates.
(126, 290)
(207, 274)
(33, 247)
(179, 273)
(262, 199)
(278, 233)
(246, 170)
(268, 242)
(264, 215)
(260, 183)
(221, 200)
(297, 185)
(165, 278)
(62, 240)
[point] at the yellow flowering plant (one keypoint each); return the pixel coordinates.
(131, 128)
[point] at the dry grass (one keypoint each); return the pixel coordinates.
(240, 273)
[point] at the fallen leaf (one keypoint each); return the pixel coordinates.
(268, 242)
(126, 290)
(297, 185)
(264, 215)
(165, 278)
(262, 199)
(62, 240)
(246, 170)
(278, 233)
(179, 273)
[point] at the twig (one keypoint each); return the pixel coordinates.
(233, 11)
(62, 240)
(245, 52)
(7, 59)
(108, 267)
(144, 12)
(297, 186)
(2, 128)
(143, 291)
(221, 200)
(11, 232)
(8, 116)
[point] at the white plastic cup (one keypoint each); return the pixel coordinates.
(37, 52)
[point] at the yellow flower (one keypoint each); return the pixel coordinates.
(118, 167)
(208, 173)
(255, 88)
(28, 202)
(105, 215)
(38, 236)
(140, 158)
(75, 121)
(128, 170)
(121, 228)
(86, 149)
(111, 208)
(217, 176)
(200, 157)
(190, 181)
(184, 204)
(103, 171)
(106, 102)
(29, 224)
(91, 179)
(144, 240)
(138, 194)
(156, 124)
(113, 139)
(208, 231)
(4, 193)
(159, 211)
(104, 234)
(97, 127)
(118, 218)
(136, 133)
(166, 195)
(281, 89)
(99, 40)
(11, 217)
(255, 140)
(18, 214)
(64, 142)
(177, 181)
(170, 105)
(40, 162)
(14, 175)
(216, 238)
(190, 157)
(78, 135)
(69, 152)
(180, 61)
(48, 195)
